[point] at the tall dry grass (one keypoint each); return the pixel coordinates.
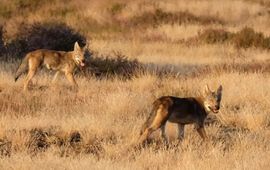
(109, 113)
(106, 19)
(55, 127)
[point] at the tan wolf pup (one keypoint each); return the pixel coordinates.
(60, 61)
(181, 111)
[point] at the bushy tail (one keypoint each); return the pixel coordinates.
(148, 121)
(22, 68)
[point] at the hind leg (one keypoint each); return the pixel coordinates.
(181, 131)
(158, 121)
(33, 64)
(147, 133)
(163, 133)
(29, 76)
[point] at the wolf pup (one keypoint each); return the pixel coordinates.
(60, 61)
(182, 111)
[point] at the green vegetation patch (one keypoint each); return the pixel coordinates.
(30, 4)
(5, 11)
(212, 36)
(116, 8)
(245, 38)
(113, 65)
(159, 17)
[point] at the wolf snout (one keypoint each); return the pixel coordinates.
(82, 63)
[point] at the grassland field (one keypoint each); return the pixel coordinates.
(55, 127)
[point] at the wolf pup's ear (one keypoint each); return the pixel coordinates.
(76, 46)
(206, 89)
(219, 92)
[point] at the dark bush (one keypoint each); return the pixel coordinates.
(116, 8)
(159, 17)
(247, 37)
(212, 36)
(5, 11)
(53, 36)
(115, 65)
(30, 4)
(266, 43)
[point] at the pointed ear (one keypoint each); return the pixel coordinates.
(219, 90)
(76, 46)
(206, 89)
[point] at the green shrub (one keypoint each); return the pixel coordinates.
(116, 8)
(244, 38)
(30, 4)
(115, 65)
(212, 36)
(247, 38)
(266, 43)
(5, 11)
(159, 17)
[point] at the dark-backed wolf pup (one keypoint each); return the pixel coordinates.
(192, 110)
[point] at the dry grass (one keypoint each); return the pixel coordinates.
(107, 114)
(55, 127)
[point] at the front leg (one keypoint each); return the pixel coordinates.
(71, 79)
(202, 133)
(55, 77)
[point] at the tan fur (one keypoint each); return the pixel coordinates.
(60, 61)
(182, 111)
